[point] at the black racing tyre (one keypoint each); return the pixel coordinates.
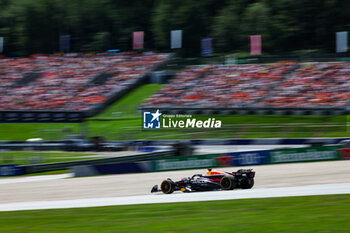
(247, 183)
(167, 186)
(228, 183)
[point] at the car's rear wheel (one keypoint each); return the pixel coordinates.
(167, 186)
(228, 183)
(247, 183)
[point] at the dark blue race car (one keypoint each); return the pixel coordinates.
(212, 180)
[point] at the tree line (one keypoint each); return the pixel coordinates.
(34, 26)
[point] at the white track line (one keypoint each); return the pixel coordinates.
(34, 178)
(309, 190)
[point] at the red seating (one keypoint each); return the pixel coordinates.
(65, 82)
(284, 84)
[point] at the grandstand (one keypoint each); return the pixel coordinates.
(85, 82)
(282, 85)
(73, 82)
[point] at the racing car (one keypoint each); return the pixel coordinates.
(212, 180)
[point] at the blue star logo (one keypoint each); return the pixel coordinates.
(151, 120)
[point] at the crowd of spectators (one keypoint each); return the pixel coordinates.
(66, 82)
(313, 85)
(283, 84)
(221, 85)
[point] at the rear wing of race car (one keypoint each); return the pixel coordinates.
(244, 173)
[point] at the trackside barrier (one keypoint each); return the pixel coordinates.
(176, 163)
(243, 158)
(62, 145)
(315, 153)
(345, 153)
(66, 165)
(250, 158)
(258, 141)
(186, 162)
(162, 161)
(307, 154)
(11, 170)
(118, 168)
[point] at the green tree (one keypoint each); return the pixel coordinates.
(187, 15)
(101, 42)
(162, 24)
(255, 21)
(226, 29)
(34, 26)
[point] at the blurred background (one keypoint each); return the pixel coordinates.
(30, 27)
(77, 75)
(80, 73)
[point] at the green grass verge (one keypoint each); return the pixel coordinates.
(295, 214)
(28, 157)
(127, 107)
(236, 126)
(122, 121)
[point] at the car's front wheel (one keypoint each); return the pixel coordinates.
(167, 186)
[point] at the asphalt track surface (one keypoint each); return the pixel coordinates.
(323, 189)
(60, 191)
